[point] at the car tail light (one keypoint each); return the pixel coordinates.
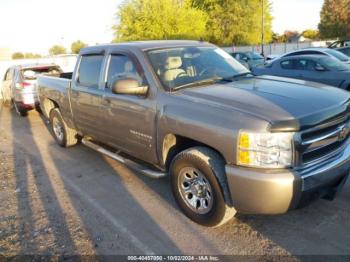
(23, 85)
(26, 84)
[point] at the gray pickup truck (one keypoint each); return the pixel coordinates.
(230, 141)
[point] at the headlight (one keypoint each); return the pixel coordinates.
(265, 150)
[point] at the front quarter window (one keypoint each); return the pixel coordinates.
(182, 66)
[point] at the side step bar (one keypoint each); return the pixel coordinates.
(146, 171)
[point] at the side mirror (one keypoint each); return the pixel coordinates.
(128, 86)
(320, 68)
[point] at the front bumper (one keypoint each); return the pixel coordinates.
(256, 191)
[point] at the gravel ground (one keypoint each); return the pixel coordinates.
(56, 201)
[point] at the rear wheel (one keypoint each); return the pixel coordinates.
(196, 189)
(64, 135)
(19, 109)
(38, 109)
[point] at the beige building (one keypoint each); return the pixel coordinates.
(5, 53)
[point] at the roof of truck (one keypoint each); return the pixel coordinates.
(145, 45)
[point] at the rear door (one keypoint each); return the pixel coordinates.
(86, 95)
(129, 120)
(306, 68)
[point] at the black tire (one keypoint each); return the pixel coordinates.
(38, 109)
(19, 109)
(69, 135)
(211, 167)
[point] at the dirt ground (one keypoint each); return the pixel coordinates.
(56, 201)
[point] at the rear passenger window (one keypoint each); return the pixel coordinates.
(288, 64)
(89, 70)
(121, 66)
(305, 64)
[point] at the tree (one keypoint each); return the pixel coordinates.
(154, 19)
(236, 21)
(277, 38)
(311, 34)
(17, 55)
(335, 19)
(57, 50)
(76, 46)
(31, 55)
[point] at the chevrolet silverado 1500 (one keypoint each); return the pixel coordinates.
(230, 141)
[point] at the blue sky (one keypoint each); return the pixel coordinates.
(35, 25)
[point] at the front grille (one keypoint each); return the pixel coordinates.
(317, 144)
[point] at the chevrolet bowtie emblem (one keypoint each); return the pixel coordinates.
(344, 132)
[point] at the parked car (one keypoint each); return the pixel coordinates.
(340, 43)
(317, 68)
(19, 85)
(248, 59)
(320, 51)
(344, 50)
(229, 141)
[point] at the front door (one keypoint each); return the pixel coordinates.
(129, 119)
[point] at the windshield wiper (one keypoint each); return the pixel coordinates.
(234, 77)
(199, 83)
(212, 80)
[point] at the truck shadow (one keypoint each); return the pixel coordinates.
(43, 222)
(56, 217)
(119, 186)
(171, 222)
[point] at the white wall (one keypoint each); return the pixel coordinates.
(67, 64)
(278, 49)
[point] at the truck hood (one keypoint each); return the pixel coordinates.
(287, 104)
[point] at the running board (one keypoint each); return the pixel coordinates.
(146, 171)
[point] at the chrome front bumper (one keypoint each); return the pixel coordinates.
(256, 191)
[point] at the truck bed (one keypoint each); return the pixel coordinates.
(56, 89)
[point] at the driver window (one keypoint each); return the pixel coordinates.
(121, 66)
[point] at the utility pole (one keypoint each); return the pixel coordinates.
(262, 28)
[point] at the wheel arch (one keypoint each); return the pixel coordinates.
(173, 144)
(47, 105)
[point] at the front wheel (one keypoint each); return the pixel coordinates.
(64, 135)
(194, 174)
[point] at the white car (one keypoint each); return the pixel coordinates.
(19, 85)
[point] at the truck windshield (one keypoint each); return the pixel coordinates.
(194, 66)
